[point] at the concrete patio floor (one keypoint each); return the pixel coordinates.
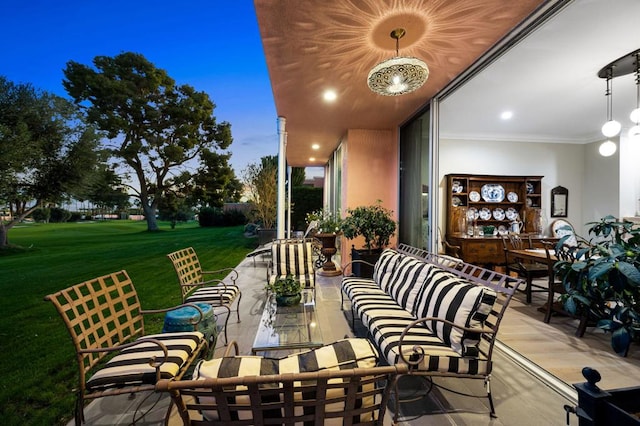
(520, 395)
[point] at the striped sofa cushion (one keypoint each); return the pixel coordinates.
(449, 297)
(407, 280)
(131, 365)
(439, 357)
(212, 293)
(384, 267)
(352, 285)
(343, 354)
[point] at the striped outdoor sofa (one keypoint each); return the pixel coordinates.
(436, 314)
(337, 384)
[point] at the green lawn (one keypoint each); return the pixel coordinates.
(36, 353)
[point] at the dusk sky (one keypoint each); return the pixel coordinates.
(213, 46)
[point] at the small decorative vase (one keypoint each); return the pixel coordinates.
(329, 269)
(288, 299)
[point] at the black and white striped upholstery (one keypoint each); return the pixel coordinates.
(343, 354)
(293, 258)
(407, 280)
(131, 366)
(384, 267)
(446, 296)
(224, 294)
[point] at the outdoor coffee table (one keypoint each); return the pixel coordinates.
(288, 327)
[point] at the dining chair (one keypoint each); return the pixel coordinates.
(526, 269)
(561, 253)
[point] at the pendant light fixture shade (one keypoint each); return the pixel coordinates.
(634, 132)
(398, 75)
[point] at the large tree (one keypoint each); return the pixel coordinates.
(45, 150)
(155, 126)
(215, 183)
(261, 180)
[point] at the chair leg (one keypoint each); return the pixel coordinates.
(487, 384)
(238, 306)
(582, 327)
(550, 298)
(528, 289)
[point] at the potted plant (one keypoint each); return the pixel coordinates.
(287, 290)
(376, 225)
(605, 279)
(327, 225)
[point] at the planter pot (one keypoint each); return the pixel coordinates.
(360, 269)
(288, 299)
(329, 268)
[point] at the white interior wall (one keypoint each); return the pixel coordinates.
(560, 164)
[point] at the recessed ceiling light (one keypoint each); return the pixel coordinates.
(506, 115)
(315, 146)
(312, 158)
(330, 95)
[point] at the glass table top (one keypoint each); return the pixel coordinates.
(288, 327)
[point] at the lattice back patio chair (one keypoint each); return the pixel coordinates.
(293, 257)
(527, 269)
(195, 288)
(103, 316)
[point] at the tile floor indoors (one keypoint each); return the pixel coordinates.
(521, 396)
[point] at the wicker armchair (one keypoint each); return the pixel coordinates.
(195, 288)
(103, 317)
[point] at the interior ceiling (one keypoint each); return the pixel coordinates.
(549, 80)
(313, 46)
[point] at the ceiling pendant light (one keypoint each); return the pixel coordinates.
(398, 75)
(612, 127)
(634, 132)
(607, 148)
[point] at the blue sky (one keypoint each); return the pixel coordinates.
(212, 45)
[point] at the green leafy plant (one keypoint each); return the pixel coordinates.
(328, 222)
(605, 279)
(285, 286)
(374, 223)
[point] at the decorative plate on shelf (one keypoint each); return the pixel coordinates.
(472, 213)
(474, 196)
(529, 188)
(511, 214)
(456, 187)
(512, 197)
(456, 201)
(498, 214)
(485, 213)
(502, 230)
(529, 202)
(492, 193)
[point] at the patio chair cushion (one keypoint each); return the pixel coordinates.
(131, 366)
(211, 294)
(343, 354)
(293, 258)
(444, 296)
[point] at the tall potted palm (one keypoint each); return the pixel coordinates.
(375, 224)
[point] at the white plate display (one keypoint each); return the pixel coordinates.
(529, 202)
(485, 213)
(472, 213)
(502, 230)
(512, 197)
(511, 213)
(498, 214)
(456, 201)
(529, 188)
(474, 196)
(492, 193)
(456, 187)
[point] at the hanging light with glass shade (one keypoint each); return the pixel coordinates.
(612, 127)
(398, 75)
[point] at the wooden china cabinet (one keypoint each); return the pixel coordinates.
(476, 201)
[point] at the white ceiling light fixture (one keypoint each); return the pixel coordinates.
(330, 95)
(607, 148)
(506, 115)
(398, 75)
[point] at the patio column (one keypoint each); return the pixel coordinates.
(282, 168)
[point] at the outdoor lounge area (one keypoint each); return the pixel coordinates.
(534, 365)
